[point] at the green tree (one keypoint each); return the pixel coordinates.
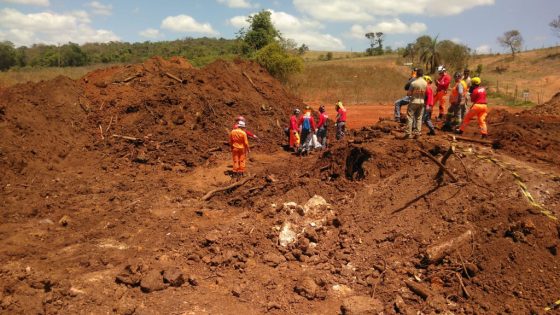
(555, 25)
(278, 61)
(429, 53)
(376, 43)
(453, 55)
(71, 55)
(512, 40)
(260, 33)
(7, 55)
(410, 51)
(303, 49)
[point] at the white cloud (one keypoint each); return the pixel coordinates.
(483, 49)
(393, 26)
(365, 10)
(303, 31)
(150, 33)
(186, 24)
(50, 28)
(100, 8)
(41, 3)
(237, 3)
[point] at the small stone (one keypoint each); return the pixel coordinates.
(193, 280)
(361, 305)
(152, 281)
(212, 237)
(287, 235)
(173, 276)
(64, 221)
(307, 288)
(236, 291)
(273, 260)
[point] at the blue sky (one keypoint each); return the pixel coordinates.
(332, 25)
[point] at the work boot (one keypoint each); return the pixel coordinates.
(459, 131)
(406, 136)
(432, 132)
(484, 136)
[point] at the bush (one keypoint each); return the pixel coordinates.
(278, 62)
(329, 55)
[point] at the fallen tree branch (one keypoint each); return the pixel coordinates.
(135, 140)
(471, 140)
(211, 193)
(439, 175)
(435, 253)
(465, 292)
(250, 81)
(182, 81)
(132, 77)
(438, 163)
(420, 289)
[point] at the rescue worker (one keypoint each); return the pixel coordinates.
(467, 79)
(405, 100)
(478, 109)
(442, 84)
(307, 126)
(340, 120)
(294, 130)
(249, 133)
(239, 148)
(322, 126)
(417, 93)
(456, 101)
(429, 102)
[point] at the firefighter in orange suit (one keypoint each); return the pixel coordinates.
(239, 148)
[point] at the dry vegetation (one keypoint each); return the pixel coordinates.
(12, 77)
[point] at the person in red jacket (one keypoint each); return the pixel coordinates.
(293, 130)
(340, 120)
(442, 84)
(479, 108)
(307, 126)
(322, 127)
(429, 102)
(239, 148)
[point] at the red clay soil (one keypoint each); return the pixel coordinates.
(96, 225)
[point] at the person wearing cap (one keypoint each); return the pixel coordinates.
(429, 103)
(322, 126)
(249, 133)
(478, 109)
(307, 127)
(294, 130)
(442, 84)
(239, 148)
(456, 101)
(417, 93)
(467, 79)
(340, 120)
(405, 100)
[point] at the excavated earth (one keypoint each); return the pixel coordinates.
(103, 211)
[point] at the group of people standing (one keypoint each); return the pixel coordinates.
(304, 135)
(421, 100)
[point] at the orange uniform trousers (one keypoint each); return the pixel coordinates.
(480, 111)
(238, 160)
(439, 99)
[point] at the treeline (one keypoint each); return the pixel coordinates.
(199, 51)
(428, 53)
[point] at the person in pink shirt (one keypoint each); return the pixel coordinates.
(322, 127)
(294, 130)
(340, 120)
(429, 102)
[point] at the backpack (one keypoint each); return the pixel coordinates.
(306, 123)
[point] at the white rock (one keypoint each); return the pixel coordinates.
(315, 204)
(287, 235)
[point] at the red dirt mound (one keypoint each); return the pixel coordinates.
(552, 107)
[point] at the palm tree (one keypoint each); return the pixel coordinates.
(429, 53)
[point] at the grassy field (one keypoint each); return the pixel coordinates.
(12, 77)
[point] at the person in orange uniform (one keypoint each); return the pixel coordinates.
(239, 148)
(442, 84)
(248, 132)
(456, 101)
(479, 108)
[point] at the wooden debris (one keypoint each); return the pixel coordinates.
(182, 81)
(450, 151)
(435, 253)
(211, 193)
(463, 288)
(132, 77)
(471, 140)
(250, 81)
(418, 288)
(135, 140)
(441, 166)
(101, 132)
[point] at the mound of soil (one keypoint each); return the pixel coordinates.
(552, 107)
(103, 211)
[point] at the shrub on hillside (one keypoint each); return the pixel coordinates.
(278, 61)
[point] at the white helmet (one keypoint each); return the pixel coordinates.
(440, 68)
(241, 124)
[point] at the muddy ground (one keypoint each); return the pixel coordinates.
(102, 212)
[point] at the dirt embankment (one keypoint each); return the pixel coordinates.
(94, 224)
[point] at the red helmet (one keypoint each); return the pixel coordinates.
(240, 118)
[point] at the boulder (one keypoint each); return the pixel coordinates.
(287, 235)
